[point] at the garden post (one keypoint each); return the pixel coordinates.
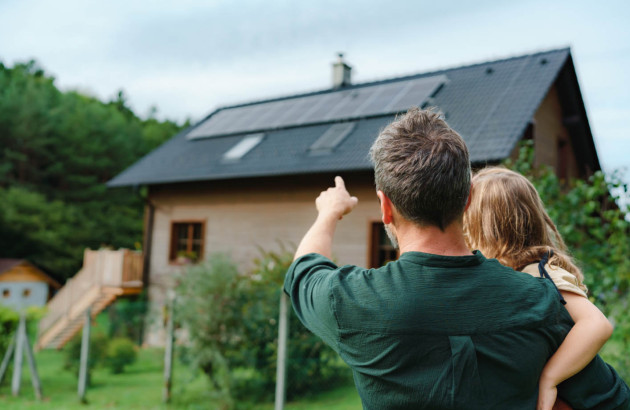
(37, 385)
(168, 351)
(85, 352)
(19, 353)
(281, 367)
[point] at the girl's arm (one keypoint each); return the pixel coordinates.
(587, 336)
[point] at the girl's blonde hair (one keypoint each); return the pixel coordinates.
(506, 220)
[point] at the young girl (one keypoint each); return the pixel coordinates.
(506, 220)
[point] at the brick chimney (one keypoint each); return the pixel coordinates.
(341, 73)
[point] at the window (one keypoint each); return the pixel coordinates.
(26, 293)
(381, 248)
(330, 139)
(6, 293)
(245, 145)
(187, 239)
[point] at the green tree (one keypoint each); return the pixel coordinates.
(64, 147)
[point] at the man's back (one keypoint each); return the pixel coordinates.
(433, 332)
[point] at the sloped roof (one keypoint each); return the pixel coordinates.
(489, 104)
(6, 265)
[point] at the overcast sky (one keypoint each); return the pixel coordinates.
(187, 57)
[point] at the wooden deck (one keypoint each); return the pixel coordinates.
(105, 275)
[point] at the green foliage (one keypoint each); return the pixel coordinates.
(208, 299)
(42, 231)
(57, 150)
(97, 353)
(232, 324)
(126, 317)
(9, 320)
(589, 218)
(8, 323)
(121, 352)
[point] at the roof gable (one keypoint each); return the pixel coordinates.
(18, 268)
(489, 104)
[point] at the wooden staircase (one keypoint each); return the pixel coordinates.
(105, 275)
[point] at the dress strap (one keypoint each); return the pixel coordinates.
(544, 274)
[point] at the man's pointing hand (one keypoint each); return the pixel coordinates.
(336, 201)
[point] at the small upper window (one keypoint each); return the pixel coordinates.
(331, 138)
(6, 293)
(187, 241)
(243, 147)
(26, 293)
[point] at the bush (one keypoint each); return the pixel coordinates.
(232, 324)
(121, 352)
(126, 318)
(9, 320)
(97, 353)
(8, 323)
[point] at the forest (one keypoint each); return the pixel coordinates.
(57, 151)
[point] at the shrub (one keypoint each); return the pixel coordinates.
(97, 352)
(9, 320)
(126, 317)
(8, 323)
(208, 305)
(232, 324)
(121, 352)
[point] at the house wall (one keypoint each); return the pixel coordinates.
(12, 294)
(548, 132)
(242, 216)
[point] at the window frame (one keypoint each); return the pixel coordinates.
(172, 252)
(374, 246)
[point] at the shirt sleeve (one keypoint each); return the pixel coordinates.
(309, 283)
(563, 279)
(566, 281)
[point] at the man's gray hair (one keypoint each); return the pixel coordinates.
(422, 165)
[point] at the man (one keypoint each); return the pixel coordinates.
(442, 327)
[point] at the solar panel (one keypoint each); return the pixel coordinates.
(331, 138)
(335, 105)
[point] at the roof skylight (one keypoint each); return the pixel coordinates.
(331, 138)
(243, 147)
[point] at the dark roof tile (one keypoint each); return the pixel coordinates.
(489, 104)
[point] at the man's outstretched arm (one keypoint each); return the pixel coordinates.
(332, 205)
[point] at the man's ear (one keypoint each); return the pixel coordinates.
(386, 207)
(469, 197)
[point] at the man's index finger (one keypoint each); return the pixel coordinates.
(339, 182)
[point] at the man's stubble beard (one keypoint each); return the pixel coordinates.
(391, 236)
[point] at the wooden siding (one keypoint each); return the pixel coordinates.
(242, 217)
(548, 132)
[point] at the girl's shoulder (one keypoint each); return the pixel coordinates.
(563, 279)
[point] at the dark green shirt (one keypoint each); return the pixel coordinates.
(440, 332)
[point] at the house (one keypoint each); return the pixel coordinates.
(246, 176)
(22, 284)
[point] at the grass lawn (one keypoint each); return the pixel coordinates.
(140, 387)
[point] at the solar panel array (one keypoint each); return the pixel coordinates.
(378, 99)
